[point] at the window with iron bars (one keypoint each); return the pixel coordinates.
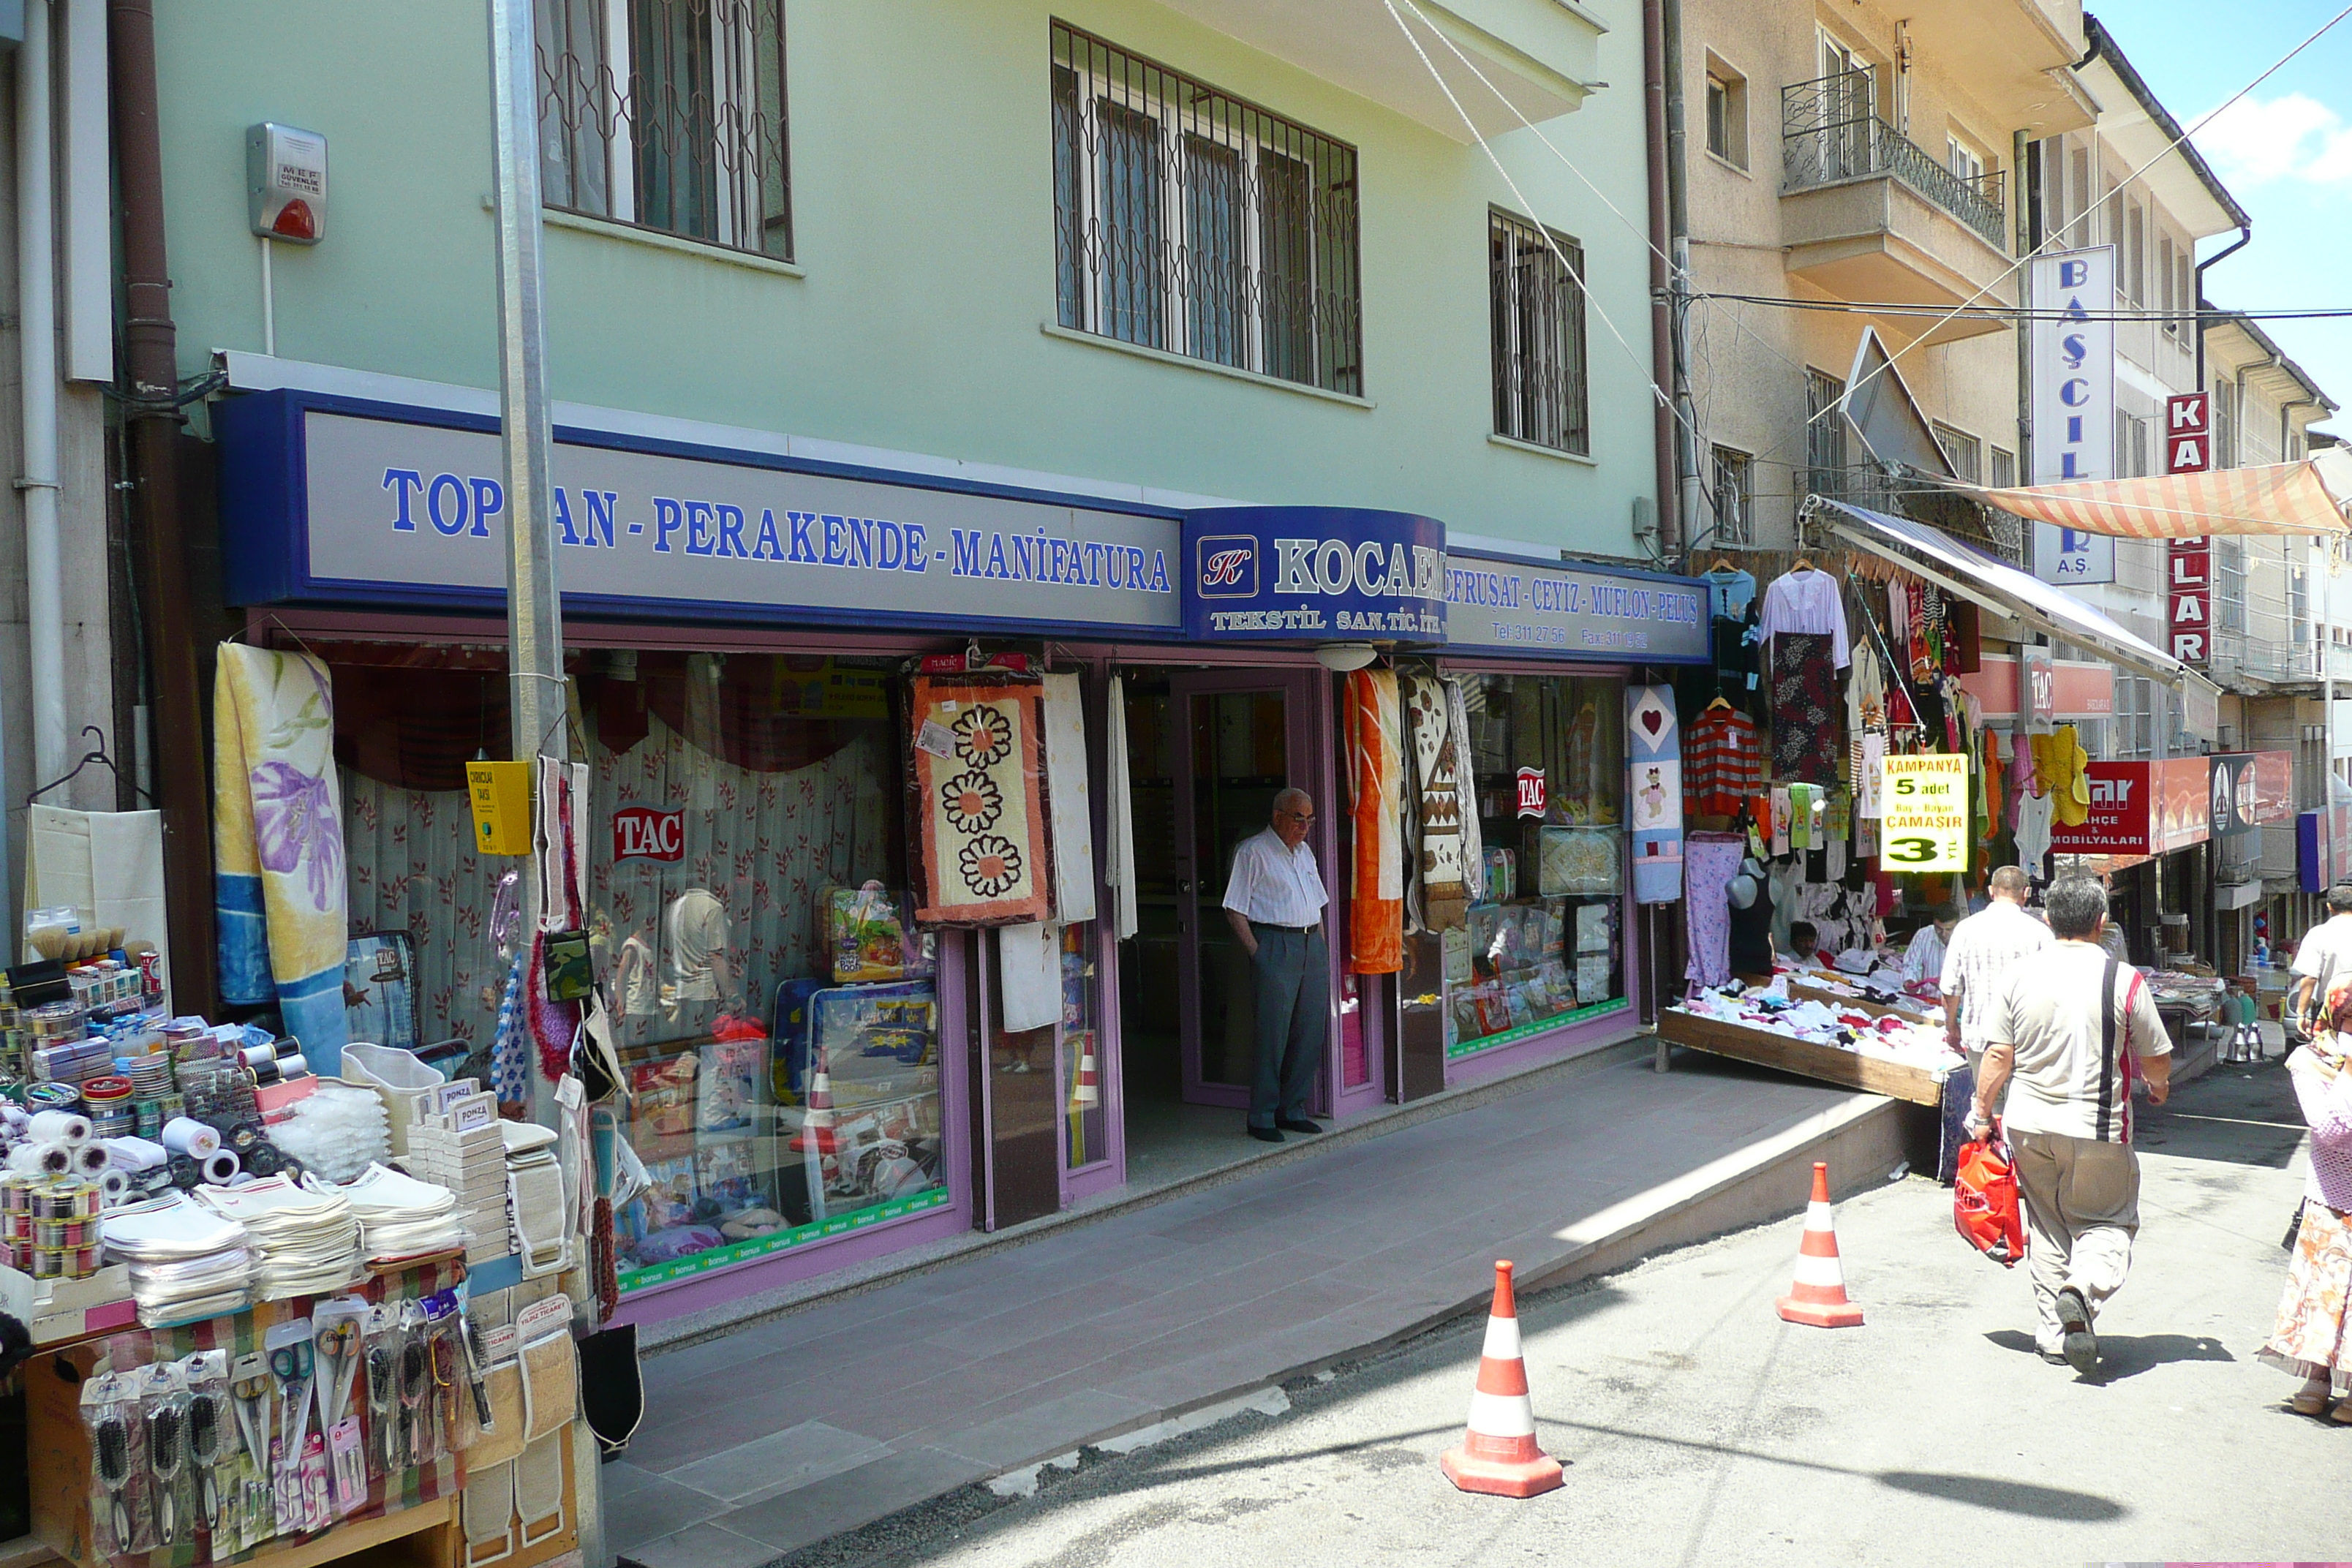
(1536, 295)
(1825, 435)
(1190, 221)
(1735, 496)
(668, 115)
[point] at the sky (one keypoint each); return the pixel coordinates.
(2284, 150)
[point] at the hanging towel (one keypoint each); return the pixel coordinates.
(108, 865)
(1069, 799)
(1712, 860)
(1653, 759)
(1118, 855)
(1445, 894)
(1029, 967)
(278, 845)
(1375, 769)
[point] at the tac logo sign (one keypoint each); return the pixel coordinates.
(1226, 566)
(1532, 792)
(645, 833)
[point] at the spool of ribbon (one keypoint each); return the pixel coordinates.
(221, 1168)
(90, 1159)
(182, 1135)
(113, 1186)
(60, 1126)
(50, 1159)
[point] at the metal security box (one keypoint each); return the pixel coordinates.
(286, 183)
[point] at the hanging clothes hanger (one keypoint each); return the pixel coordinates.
(1718, 702)
(95, 754)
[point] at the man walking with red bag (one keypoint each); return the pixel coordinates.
(2065, 1037)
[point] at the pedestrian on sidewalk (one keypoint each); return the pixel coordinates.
(2325, 952)
(2066, 1036)
(1983, 952)
(1274, 901)
(2313, 1337)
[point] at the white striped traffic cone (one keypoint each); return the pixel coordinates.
(1088, 1092)
(816, 1127)
(1818, 1296)
(1498, 1455)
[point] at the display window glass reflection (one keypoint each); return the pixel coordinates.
(1545, 944)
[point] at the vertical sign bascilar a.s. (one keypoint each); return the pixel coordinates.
(2072, 345)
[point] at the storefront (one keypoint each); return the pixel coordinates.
(768, 660)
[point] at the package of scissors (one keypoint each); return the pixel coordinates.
(255, 1509)
(297, 1457)
(121, 1523)
(380, 1388)
(446, 1356)
(337, 1330)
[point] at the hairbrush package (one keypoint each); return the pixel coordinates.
(120, 1520)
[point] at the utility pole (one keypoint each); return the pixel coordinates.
(1686, 507)
(526, 435)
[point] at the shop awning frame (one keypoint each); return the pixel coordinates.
(1995, 586)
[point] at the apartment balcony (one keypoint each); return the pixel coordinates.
(1868, 214)
(2256, 665)
(1539, 57)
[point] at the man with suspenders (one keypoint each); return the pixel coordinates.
(2066, 1037)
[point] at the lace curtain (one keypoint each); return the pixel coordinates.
(763, 844)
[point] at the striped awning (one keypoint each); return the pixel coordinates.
(2314, 496)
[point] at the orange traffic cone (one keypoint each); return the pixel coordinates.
(816, 1127)
(1499, 1455)
(1818, 1296)
(1088, 1092)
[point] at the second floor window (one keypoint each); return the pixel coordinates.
(1964, 450)
(1735, 496)
(668, 114)
(1192, 222)
(1536, 297)
(1825, 435)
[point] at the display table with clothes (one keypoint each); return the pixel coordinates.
(1813, 1038)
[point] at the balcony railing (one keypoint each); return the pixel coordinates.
(1831, 133)
(2236, 655)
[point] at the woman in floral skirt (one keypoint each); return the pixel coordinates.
(2313, 1338)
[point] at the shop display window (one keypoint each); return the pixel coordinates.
(776, 1014)
(1545, 944)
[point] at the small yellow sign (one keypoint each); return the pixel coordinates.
(1925, 802)
(500, 793)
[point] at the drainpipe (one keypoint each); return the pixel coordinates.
(1662, 350)
(2025, 165)
(2246, 235)
(38, 362)
(1686, 527)
(151, 359)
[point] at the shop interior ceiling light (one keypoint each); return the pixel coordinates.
(1343, 657)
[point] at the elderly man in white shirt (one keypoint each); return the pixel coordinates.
(1984, 949)
(1274, 903)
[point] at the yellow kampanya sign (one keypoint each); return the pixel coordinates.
(1926, 801)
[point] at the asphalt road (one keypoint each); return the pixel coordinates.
(1697, 1427)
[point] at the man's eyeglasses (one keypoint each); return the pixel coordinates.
(1304, 818)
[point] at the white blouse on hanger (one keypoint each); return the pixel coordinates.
(1806, 601)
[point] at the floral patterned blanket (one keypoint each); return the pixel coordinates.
(979, 779)
(278, 844)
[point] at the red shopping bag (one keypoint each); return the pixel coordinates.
(1984, 1201)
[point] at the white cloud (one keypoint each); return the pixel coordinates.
(2258, 140)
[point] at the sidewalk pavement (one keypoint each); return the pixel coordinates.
(766, 1439)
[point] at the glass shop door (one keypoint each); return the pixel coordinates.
(1248, 734)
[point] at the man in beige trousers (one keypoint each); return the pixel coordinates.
(2065, 1038)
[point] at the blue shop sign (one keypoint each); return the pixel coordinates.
(335, 501)
(1498, 603)
(1297, 574)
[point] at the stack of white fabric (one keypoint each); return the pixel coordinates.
(305, 1232)
(403, 1218)
(186, 1262)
